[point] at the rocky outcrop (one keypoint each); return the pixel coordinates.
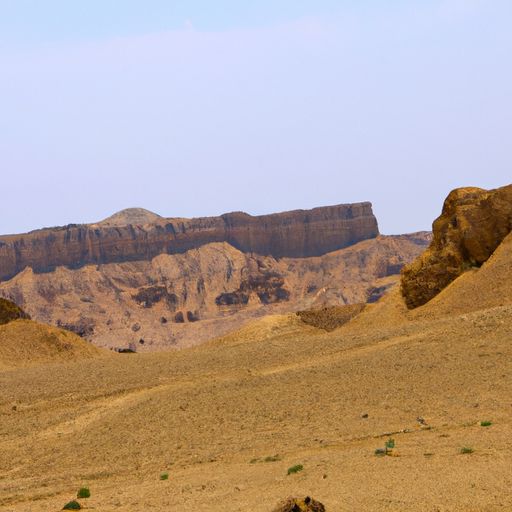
(10, 311)
(472, 224)
(332, 317)
(306, 504)
(138, 235)
(178, 300)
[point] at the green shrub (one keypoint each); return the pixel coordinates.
(485, 423)
(83, 492)
(466, 449)
(295, 469)
(72, 505)
(164, 476)
(390, 444)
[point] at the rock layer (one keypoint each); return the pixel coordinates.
(300, 233)
(472, 224)
(178, 300)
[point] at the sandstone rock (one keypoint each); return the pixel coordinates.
(306, 504)
(140, 236)
(471, 226)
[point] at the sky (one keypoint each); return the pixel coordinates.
(194, 108)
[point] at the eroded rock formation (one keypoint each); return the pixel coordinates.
(177, 300)
(472, 224)
(138, 235)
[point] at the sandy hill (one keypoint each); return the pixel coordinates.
(26, 343)
(226, 420)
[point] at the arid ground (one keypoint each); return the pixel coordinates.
(227, 419)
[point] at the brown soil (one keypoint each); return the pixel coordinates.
(227, 419)
(25, 343)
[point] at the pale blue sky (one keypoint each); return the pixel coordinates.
(196, 108)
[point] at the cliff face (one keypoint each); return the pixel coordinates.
(472, 225)
(300, 233)
(178, 300)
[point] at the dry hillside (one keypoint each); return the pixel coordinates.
(227, 419)
(281, 408)
(26, 343)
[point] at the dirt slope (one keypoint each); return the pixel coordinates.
(26, 343)
(227, 419)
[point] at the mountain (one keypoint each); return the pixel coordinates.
(228, 420)
(133, 216)
(178, 300)
(139, 235)
(141, 281)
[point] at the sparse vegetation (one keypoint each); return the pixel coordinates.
(295, 469)
(164, 476)
(485, 423)
(72, 505)
(83, 492)
(389, 445)
(466, 450)
(269, 458)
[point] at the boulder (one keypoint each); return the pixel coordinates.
(306, 504)
(472, 224)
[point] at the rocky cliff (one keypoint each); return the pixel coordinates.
(138, 235)
(179, 300)
(473, 223)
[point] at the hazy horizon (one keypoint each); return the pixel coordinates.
(191, 109)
